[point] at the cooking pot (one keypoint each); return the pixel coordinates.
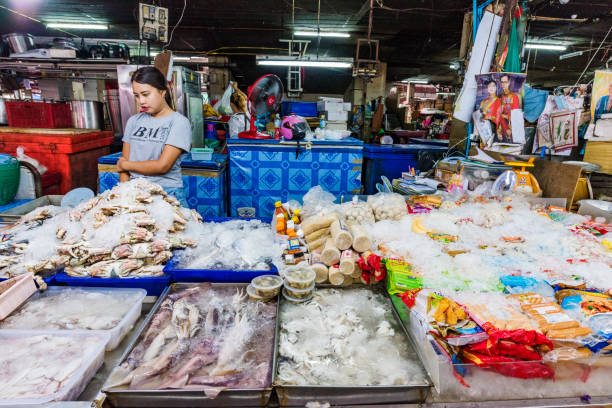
(87, 114)
(3, 117)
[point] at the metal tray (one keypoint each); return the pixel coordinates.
(254, 397)
(298, 396)
(14, 214)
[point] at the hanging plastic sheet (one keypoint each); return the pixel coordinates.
(480, 62)
(534, 101)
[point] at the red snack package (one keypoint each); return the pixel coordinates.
(508, 366)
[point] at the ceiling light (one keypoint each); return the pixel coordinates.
(83, 26)
(552, 47)
(305, 63)
(415, 81)
(181, 58)
(321, 34)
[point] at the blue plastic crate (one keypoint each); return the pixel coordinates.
(212, 275)
(391, 161)
(305, 109)
(226, 219)
(153, 285)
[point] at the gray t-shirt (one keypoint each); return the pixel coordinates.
(148, 136)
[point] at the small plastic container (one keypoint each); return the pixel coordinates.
(299, 277)
(293, 300)
(254, 296)
(300, 293)
(202, 153)
(267, 286)
(133, 308)
(69, 390)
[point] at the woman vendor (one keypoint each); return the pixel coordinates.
(491, 106)
(156, 139)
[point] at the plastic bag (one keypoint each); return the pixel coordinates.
(318, 201)
(22, 157)
(223, 105)
(237, 123)
(357, 211)
(388, 206)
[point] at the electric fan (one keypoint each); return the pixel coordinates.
(265, 96)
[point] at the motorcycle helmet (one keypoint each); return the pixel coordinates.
(294, 127)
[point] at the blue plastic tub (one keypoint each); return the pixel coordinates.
(392, 160)
(153, 285)
(305, 109)
(212, 275)
(433, 142)
(226, 219)
(215, 275)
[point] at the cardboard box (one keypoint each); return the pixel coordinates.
(337, 125)
(334, 111)
(599, 153)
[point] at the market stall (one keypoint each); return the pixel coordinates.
(331, 221)
(455, 291)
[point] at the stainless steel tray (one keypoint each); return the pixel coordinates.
(254, 397)
(14, 214)
(298, 396)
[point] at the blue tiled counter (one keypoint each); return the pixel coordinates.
(204, 182)
(265, 171)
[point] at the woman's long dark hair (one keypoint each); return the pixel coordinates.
(152, 76)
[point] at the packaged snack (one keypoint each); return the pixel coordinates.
(510, 367)
(401, 276)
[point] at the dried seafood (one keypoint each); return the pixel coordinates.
(344, 338)
(73, 308)
(202, 337)
(39, 366)
(128, 231)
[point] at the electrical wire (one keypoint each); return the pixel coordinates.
(176, 25)
(593, 57)
(38, 21)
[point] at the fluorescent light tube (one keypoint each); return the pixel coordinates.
(79, 26)
(415, 81)
(180, 58)
(299, 63)
(321, 34)
(546, 47)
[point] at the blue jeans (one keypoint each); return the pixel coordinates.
(179, 194)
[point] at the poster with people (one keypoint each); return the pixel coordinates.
(499, 93)
(601, 102)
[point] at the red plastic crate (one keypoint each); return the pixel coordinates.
(75, 157)
(38, 114)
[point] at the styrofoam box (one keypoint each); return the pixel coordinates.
(15, 291)
(117, 333)
(333, 125)
(71, 389)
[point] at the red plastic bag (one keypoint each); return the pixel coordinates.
(520, 336)
(508, 366)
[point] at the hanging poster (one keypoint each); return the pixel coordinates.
(564, 129)
(554, 104)
(601, 102)
(601, 106)
(499, 93)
